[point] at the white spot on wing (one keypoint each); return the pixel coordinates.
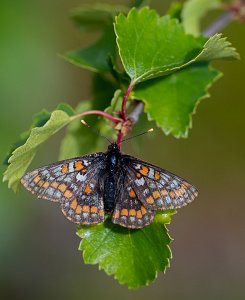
(145, 192)
(140, 181)
(81, 177)
(86, 163)
(151, 173)
(71, 167)
(137, 167)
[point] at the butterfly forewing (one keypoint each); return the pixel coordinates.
(75, 184)
(157, 188)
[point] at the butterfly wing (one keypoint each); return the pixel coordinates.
(157, 188)
(129, 211)
(75, 184)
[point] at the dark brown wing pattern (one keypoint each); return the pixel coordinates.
(156, 188)
(74, 183)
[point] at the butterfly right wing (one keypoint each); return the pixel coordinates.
(158, 189)
(75, 184)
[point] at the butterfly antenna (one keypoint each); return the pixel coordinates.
(132, 137)
(95, 130)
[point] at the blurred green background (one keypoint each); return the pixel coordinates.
(38, 246)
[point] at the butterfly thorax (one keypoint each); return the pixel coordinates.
(112, 172)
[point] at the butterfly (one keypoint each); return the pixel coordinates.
(127, 188)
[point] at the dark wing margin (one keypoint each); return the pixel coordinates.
(74, 183)
(129, 211)
(156, 188)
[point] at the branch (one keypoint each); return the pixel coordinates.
(98, 112)
(125, 99)
(220, 23)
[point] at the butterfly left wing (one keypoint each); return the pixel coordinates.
(157, 188)
(74, 183)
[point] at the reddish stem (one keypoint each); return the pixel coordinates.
(124, 102)
(119, 138)
(123, 114)
(99, 112)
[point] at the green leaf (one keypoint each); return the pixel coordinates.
(175, 10)
(96, 16)
(171, 101)
(66, 108)
(193, 11)
(133, 257)
(217, 47)
(151, 46)
(38, 120)
(80, 139)
(98, 57)
(23, 155)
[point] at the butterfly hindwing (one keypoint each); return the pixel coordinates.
(157, 188)
(85, 205)
(75, 184)
(129, 210)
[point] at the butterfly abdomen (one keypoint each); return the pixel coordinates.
(110, 180)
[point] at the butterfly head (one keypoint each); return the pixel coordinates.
(113, 147)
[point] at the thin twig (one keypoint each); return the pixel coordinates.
(125, 99)
(98, 112)
(220, 23)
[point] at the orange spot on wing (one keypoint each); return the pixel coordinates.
(156, 175)
(101, 213)
(86, 208)
(138, 175)
(37, 178)
(172, 194)
(132, 212)
(87, 189)
(124, 212)
(164, 192)
(182, 190)
(79, 209)
(144, 170)
(68, 194)
(178, 193)
(139, 214)
(46, 184)
(156, 195)
(62, 187)
(84, 170)
(74, 204)
(64, 168)
(132, 194)
(150, 200)
(116, 214)
(143, 210)
(40, 182)
(94, 209)
(54, 184)
(78, 165)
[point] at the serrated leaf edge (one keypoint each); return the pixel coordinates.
(114, 275)
(189, 126)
